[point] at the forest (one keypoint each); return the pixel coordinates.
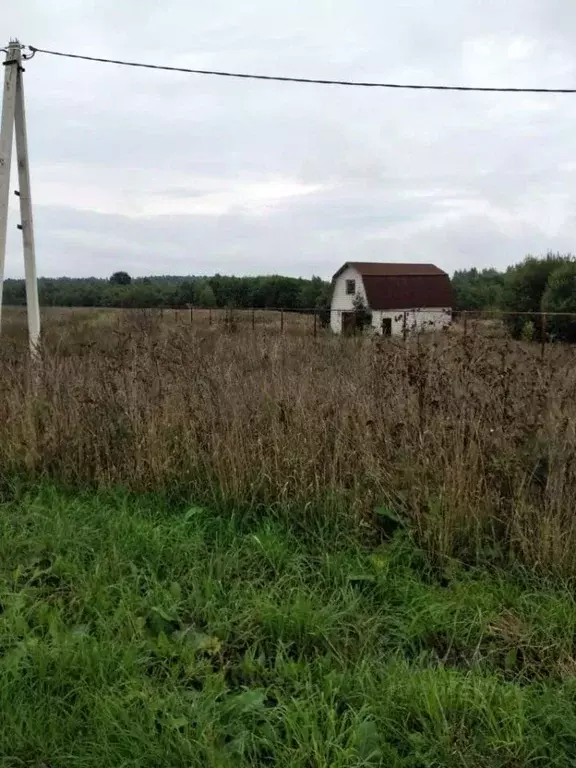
(120, 290)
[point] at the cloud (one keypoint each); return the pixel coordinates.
(161, 172)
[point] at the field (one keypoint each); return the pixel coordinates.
(225, 546)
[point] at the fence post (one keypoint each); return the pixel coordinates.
(210, 316)
(315, 324)
(543, 332)
(405, 326)
(281, 321)
(465, 313)
(191, 315)
(253, 319)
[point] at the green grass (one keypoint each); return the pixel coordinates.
(135, 634)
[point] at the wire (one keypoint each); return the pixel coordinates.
(315, 81)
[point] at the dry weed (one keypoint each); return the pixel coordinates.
(472, 439)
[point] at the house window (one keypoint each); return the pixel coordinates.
(350, 287)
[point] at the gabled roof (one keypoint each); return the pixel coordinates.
(387, 268)
(403, 286)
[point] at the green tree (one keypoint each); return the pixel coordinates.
(310, 292)
(205, 296)
(14, 293)
(560, 296)
(120, 278)
(140, 296)
(524, 287)
(120, 290)
(477, 290)
(186, 293)
(363, 317)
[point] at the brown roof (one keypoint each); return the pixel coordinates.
(408, 291)
(389, 268)
(403, 286)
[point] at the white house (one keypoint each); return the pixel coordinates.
(399, 297)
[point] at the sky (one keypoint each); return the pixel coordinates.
(164, 173)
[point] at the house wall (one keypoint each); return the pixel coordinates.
(341, 302)
(423, 319)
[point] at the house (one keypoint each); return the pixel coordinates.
(392, 298)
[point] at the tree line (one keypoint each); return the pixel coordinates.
(538, 284)
(120, 290)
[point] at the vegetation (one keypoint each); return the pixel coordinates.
(218, 291)
(120, 278)
(470, 438)
(559, 296)
(229, 548)
(139, 634)
(478, 289)
(362, 315)
(525, 291)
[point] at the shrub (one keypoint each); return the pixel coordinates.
(560, 296)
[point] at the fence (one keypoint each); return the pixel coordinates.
(538, 327)
(305, 321)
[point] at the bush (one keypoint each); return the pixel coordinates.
(560, 296)
(524, 288)
(363, 316)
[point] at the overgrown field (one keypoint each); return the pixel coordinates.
(228, 547)
(469, 439)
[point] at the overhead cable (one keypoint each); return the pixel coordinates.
(308, 80)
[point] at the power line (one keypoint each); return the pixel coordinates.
(310, 80)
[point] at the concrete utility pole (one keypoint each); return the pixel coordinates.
(14, 116)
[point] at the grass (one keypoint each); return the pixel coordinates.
(136, 633)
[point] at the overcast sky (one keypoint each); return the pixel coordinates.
(161, 173)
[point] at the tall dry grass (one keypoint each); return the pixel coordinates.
(469, 438)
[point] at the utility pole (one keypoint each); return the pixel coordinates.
(14, 117)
